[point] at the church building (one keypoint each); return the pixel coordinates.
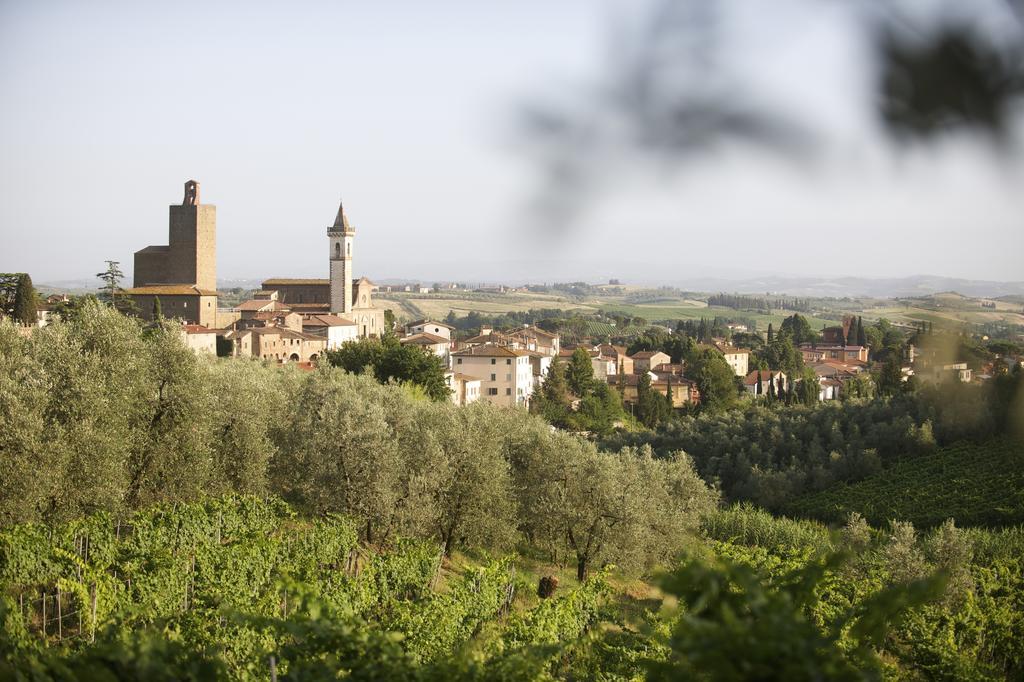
(339, 294)
(182, 276)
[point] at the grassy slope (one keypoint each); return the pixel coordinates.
(973, 484)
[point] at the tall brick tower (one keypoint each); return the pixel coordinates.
(190, 255)
(341, 235)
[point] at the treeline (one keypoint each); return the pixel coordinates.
(770, 456)
(100, 414)
(742, 302)
(544, 317)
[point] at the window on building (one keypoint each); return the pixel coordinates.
(493, 377)
(492, 391)
(493, 361)
(458, 361)
(508, 362)
(508, 377)
(508, 391)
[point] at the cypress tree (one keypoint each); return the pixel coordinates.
(158, 313)
(25, 301)
(771, 333)
(862, 337)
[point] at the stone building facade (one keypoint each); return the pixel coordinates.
(190, 255)
(183, 272)
(190, 304)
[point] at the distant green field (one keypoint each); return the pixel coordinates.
(972, 484)
(686, 311)
(440, 305)
(941, 311)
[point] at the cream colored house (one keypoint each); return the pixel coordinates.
(737, 358)
(645, 360)
(624, 363)
(760, 382)
(438, 345)
(337, 330)
(604, 365)
(464, 388)
(199, 339)
(684, 391)
(506, 374)
(536, 339)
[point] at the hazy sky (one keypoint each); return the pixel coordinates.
(407, 111)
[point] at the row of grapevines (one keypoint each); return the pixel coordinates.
(975, 484)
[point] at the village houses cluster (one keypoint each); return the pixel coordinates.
(297, 320)
(287, 320)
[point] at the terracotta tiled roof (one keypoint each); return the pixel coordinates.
(326, 320)
(766, 376)
(646, 354)
(170, 290)
(491, 351)
(261, 305)
(669, 367)
(424, 339)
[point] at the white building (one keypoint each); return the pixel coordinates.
(737, 358)
(506, 374)
(464, 388)
(199, 339)
(429, 327)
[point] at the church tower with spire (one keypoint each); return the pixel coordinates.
(341, 235)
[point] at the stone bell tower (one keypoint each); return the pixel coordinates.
(341, 235)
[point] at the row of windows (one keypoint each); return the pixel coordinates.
(494, 361)
(494, 391)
